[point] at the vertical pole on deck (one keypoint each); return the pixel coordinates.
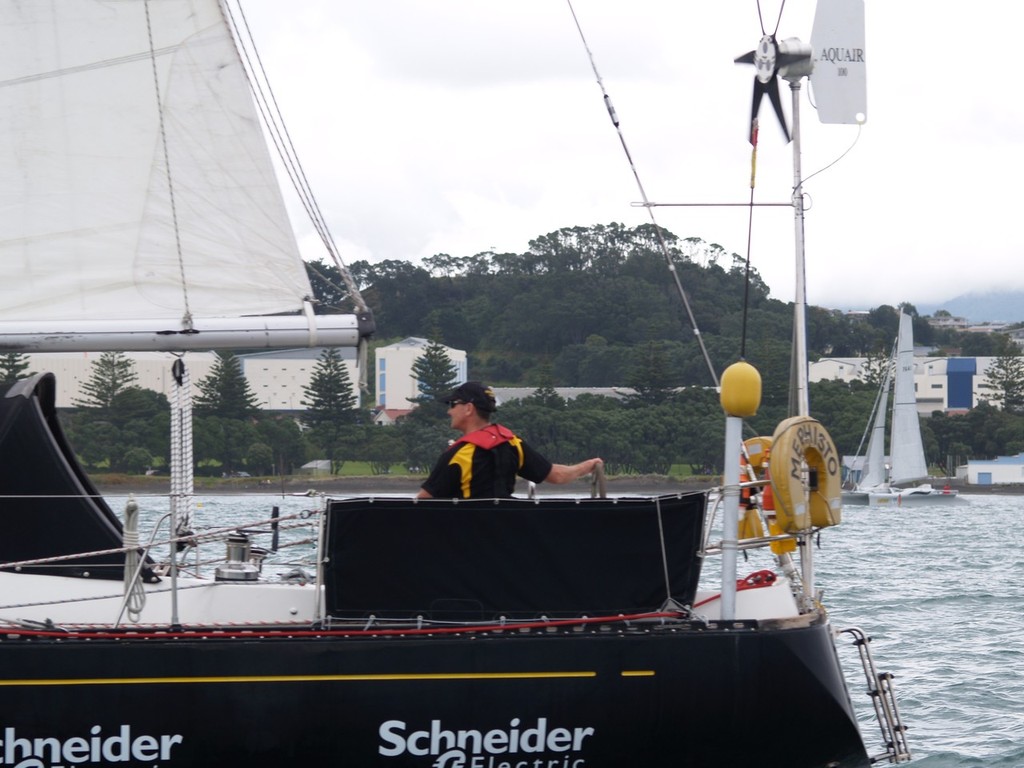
(801, 386)
(730, 513)
(740, 395)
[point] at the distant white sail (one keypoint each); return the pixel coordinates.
(874, 475)
(907, 450)
(86, 226)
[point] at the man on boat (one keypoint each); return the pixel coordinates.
(484, 462)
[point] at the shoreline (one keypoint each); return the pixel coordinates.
(370, 485)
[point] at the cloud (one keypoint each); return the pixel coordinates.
(459, 126)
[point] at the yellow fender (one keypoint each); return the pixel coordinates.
(798, 440)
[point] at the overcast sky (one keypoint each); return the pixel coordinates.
(461, 126)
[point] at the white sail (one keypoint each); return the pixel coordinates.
(90, 227)
(874, 461)
(907, 450)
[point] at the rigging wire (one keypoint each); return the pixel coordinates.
(849, 149)
(187, 317)
(267, 103)
(646, 203)
(886, 375)
(753, 180)
(760, 18)
(750, 231)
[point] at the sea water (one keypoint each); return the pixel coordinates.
(940, 590)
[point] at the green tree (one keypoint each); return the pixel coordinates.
(144, 418)
(137, 460)
(876, 366)
(286, 440)
(13, 366)
(422, 441)
(435, 373)
(330, 406)
(1005, 380)
(223, 442)
(110, 375)
(119, 423)
(260, 459)
(225, 392)
(651, 378)
(97, 441)
(546, 396)
(383, 448)
(543, 420)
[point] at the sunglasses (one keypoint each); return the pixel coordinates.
(453, 403)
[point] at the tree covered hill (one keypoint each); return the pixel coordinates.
(598, 306)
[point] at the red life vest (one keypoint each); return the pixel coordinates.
(490, 436)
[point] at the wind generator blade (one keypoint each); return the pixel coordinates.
(758, 94)
(773, 95)
(766, 79)
(840, 68)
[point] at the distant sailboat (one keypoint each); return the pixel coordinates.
(880, 482)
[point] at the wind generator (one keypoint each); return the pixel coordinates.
(834, 63)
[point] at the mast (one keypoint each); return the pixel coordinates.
(799, 396)
(801, 65)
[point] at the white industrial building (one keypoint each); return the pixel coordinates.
(278, 379)
(1002, 470)
(941, 383)
(396, 384)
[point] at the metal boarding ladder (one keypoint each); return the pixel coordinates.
(883, 697)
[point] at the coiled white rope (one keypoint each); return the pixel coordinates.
(135, 595)
(182, 474)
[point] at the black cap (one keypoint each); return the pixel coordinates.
(474, 392)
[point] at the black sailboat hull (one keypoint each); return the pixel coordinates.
(677, 695)
(505, 633)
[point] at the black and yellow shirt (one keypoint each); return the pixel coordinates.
(484, 465)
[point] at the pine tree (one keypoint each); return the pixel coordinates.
(546, 396)
(1005, 379)
(225, 392)
(435, 376)
(13, 366)
(650, 377)
(876, 366)
(331, 405)
(111, 375)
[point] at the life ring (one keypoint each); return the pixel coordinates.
(799, 440)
